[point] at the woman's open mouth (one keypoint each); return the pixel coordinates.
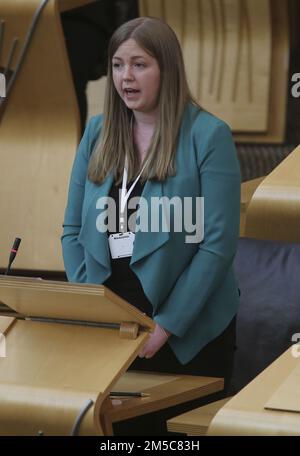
(131, 93)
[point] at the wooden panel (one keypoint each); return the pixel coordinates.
(273, 212)
(279, 78)
(236, 54)
(227, 50)
(39, 133)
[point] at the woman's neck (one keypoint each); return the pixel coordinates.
(145, 121)
(143, 129)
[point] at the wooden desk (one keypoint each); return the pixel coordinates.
(197, 421)
(75, 349)
(165, 390)
(245, 413)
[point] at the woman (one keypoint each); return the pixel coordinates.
(171, 148)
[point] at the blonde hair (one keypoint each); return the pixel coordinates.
(116, 141)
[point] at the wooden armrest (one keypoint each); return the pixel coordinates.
(273, 212)
(247, 190)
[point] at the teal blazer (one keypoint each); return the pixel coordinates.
(191, 286)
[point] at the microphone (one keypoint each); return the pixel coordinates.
(13, 253)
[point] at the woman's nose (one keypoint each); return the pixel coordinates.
(127, 74)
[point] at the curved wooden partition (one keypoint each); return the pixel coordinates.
(39, 133)
(274, 211)
(267, 406)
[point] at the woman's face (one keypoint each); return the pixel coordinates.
(136, 77)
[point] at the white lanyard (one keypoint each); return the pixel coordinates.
(125, 195)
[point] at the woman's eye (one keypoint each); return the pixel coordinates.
(140, 65)
(116, 65)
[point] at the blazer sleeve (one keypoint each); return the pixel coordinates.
(73, 252)
(219, 173)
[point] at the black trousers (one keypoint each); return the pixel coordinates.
(214, 360)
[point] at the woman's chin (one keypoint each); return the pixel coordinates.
(132, 104)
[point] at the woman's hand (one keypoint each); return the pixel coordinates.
(157, 339)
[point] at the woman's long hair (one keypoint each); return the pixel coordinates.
(116, 138)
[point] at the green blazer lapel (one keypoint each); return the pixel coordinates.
(95, 240)
(148, 241)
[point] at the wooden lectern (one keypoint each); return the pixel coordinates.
(66, 347)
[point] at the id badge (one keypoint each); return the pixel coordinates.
(121, 244)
